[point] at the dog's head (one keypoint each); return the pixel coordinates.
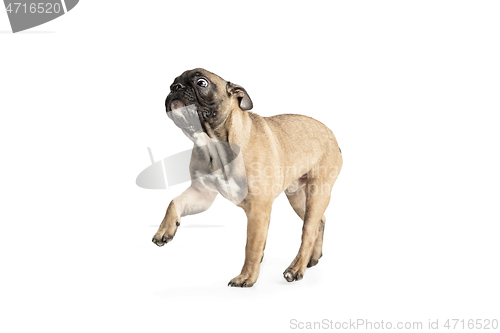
(200, 100)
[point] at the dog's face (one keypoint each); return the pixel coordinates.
(200, 100)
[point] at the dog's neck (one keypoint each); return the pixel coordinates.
(220, 143)
(238, 125)
(233, 129)
(216, 131)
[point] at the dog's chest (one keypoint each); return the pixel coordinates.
(229, 187)
(228, 177)
(220, 165)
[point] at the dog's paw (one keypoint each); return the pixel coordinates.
(243, 281)
(293, 274)
(161, 240)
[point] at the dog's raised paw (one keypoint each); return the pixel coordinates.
(158, 242)
(166, 239)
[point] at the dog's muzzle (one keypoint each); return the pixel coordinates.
(176, 104)
(185, 117)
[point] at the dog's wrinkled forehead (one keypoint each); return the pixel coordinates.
(190, 77)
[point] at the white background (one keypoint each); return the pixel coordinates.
(410, 89)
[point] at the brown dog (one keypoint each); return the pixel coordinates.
(250, 160)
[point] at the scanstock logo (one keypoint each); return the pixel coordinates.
(28, 14)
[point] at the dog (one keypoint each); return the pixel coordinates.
(250, 160)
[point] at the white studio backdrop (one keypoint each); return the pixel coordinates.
(410, 90)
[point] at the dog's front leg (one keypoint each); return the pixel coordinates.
(258, 216)
(195, 199)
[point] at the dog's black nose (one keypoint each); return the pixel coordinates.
(176, 87)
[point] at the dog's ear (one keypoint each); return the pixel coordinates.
(239, 92)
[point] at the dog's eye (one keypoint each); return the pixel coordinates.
(202, 83)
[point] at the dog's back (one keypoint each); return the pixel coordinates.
(304, 138)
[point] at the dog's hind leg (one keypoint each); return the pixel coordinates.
(317, 252)
(296, 195)
(316, 194)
